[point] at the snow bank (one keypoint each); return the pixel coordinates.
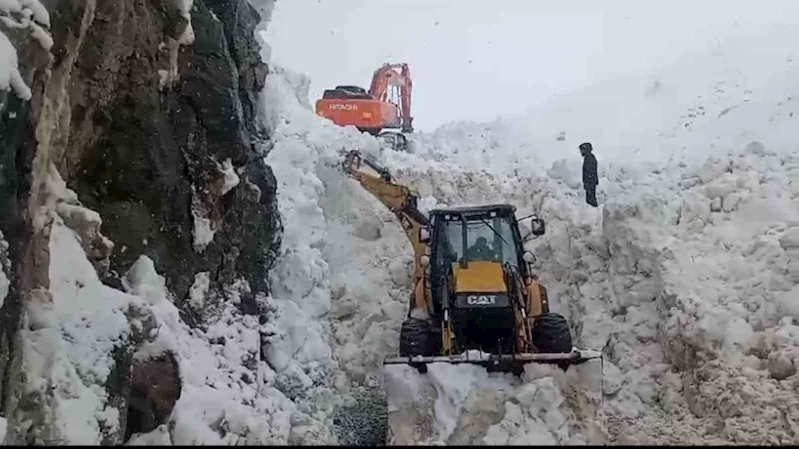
(20, 14)
(301, 277)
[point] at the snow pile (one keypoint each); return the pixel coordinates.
(464, 405)
(228, 397)
(665, 264)
(29, 15)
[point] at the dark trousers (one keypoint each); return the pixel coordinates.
(590, 195)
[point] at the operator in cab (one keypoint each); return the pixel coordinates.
(481, 250)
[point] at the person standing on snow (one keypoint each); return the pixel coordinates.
(590, 177)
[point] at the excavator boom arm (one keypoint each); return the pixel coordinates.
(386, 76)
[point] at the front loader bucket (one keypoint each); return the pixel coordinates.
(500, 362)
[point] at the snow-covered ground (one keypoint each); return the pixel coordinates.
(685, 277)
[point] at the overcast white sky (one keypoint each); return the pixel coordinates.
(477, 59)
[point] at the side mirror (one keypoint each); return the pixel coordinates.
(424, 235)
(529, 257)
(538, 226)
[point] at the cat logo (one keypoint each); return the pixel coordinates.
(481, 300)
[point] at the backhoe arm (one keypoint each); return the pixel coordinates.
(387, 76)
(397, 198)
(400, 200)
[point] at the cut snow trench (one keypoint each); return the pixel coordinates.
(683, 277)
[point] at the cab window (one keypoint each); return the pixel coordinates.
(487, 238)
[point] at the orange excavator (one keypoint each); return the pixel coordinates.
(379, 112)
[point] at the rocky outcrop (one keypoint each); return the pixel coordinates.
(151, 120)
(160, 165)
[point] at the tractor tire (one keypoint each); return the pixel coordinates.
(551, 333)
(416, 338)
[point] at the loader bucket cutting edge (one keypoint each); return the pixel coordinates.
(575, 357)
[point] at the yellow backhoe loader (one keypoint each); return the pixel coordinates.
(475, 298)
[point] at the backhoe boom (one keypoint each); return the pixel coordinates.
(401, 201)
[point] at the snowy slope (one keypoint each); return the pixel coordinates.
(741, 89)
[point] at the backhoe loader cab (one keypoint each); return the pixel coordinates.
(477, 259)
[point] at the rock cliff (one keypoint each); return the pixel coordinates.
(142, 111)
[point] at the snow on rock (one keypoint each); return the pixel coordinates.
(230, 178)
(69, 342)
(199, 289)
(10, 78)
(204, 228)
(157, 437)
(184, 7)
(5, 264)
(227, 396)
(20, 14)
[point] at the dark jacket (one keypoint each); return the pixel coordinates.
(590, 177)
